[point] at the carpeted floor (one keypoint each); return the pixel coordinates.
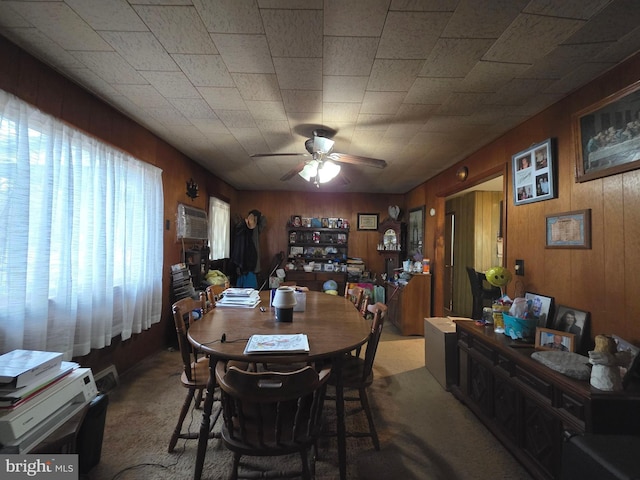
(425, 433)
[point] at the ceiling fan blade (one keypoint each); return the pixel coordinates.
(293, 172)
(358, 160)
(255, 155)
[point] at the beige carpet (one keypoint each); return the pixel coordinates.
(425, 432)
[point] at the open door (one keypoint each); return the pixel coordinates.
(449, 235)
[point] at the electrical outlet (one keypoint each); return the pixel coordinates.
(519, 267)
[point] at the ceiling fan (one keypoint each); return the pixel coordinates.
(324, 164)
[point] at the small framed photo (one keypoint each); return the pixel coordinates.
(569, 229)
(542, 308)
(367, 221)
(296, 221)
(317, 267)
(325, 222)
(549, 339)
(574, 321)
(533, 173)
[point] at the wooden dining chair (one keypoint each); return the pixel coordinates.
(272, 413)
(355, 295)
(195, 374)
(357, 374)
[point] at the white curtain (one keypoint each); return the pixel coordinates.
(80, 237)
(219, 228)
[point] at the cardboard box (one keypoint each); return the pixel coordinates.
(440, 350)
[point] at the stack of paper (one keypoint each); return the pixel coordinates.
(294, 343)
(12, 397)
(239, 298)
(21, 367)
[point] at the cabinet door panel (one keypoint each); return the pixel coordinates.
(542, 437)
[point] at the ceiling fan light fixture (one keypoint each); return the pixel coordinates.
(322, 144)
(310, 170)
(328, 171)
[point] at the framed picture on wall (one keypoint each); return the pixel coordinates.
(607, 135)
(533, 173)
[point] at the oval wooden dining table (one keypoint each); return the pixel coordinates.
(332, 324)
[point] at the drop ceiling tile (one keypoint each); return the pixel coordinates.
(393, 75)
(581, 9)
(230, 16)
(578, 77)
(234, 119)
(108, 15)
(194, 108)
(431, 90)
(340, 17)
(340, 112)
(299, 73)
(614, 21)
(302, 100)
(488, 19)
(168, 116)
(518, 91)
(489, 76)
(110, 66)
(92, 82)
(382, 102)
(424, 5)
(141, 49)
(250, 138)
(10, 18)
(254, 86)
(209, 126)
(204, 70)
(368, 121)
(622, 49)
(411, 35)
(310, 119)
(178, 28)
(344, 89)
(42, 47)
(461, 103)
(293, 33)
(222, 98)
(267, 110)
(348, 55)
(145, 96)
(531, 37)
(244, 53)
(414, 113)
(171, 84)
(454, 57)
(61, 24)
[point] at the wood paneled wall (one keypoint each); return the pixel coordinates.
(603, 280)
(279, 206)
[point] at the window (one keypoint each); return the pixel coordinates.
(80, 236)
(219, 228)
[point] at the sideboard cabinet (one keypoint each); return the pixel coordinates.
(527, 405)
(409, 305)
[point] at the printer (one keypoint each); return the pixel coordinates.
(25, 426)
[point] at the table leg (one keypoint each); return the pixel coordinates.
(342, 441)
(203, 437)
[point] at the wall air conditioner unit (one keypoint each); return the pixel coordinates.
(191, 223)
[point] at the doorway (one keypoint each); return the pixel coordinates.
(473, 225)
